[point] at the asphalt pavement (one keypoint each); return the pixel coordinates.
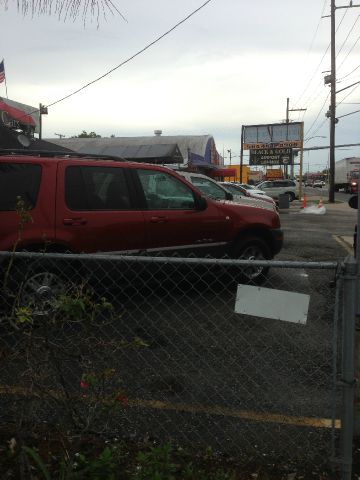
(202, 374)
(318, 234)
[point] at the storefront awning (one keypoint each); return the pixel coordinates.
(223, 172)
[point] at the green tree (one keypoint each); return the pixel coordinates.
(85, 134)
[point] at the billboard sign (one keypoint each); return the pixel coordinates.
(271, 156)
(273, 135)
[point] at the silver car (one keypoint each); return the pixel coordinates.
(274, 188)
(212, 189)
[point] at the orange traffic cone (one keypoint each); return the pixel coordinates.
(303, 205)
(320, 204)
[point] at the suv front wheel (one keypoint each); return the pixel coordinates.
(253, 248)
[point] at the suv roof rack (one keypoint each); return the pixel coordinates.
(54, 153)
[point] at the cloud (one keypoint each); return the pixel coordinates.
(233, 63)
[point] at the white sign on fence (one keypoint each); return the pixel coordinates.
(269, 303)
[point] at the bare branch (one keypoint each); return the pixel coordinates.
(67, 9)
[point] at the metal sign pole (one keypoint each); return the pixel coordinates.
(301, 160)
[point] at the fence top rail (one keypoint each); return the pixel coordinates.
(171, 260)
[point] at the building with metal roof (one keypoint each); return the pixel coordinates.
(187, 151)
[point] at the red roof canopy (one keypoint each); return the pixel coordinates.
(223, 172)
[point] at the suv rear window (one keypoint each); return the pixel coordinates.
(18, 180)
(96, 188)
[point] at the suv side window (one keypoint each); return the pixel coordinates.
(18, 180)
(163, 191)
(96, 188)
(208, 188)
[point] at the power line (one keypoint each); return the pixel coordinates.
(347, 114)
(346, 96)
(348, 35)
(310, 49)
(133, 56)
(317, 28)
(312, 78)
(351, 49)
(348, 75)
(321, 108)
(316, 90)
(319, 64)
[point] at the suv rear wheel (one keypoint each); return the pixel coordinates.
(253, 248)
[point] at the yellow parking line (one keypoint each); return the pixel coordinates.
(343, 243)
(264, 417)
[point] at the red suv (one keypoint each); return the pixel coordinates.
(86, 204)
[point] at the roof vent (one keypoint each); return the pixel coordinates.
(158, 133)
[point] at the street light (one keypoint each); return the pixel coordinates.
(316, 136)
(307, 140)
(229, 152)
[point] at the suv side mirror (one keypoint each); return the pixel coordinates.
(353, 202)
(229, 196)
(201, 203)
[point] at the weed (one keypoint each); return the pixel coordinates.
(102, 467)
(155, 464)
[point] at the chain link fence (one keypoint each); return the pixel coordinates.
(146, 346)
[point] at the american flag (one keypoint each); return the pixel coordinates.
(2, 71)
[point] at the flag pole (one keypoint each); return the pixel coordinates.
(7, 96)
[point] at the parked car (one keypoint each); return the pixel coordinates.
(274, 188)
(80, 204)
(319, 184)
(216, 191)
(238, 188)
(251, 188)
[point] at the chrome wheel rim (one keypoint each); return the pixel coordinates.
(40, 291)
(252, 252)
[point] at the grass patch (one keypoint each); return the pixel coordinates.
(45, 457)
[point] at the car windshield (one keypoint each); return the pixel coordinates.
(234, 189)
(209, 188)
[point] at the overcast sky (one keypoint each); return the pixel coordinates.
(234, 63)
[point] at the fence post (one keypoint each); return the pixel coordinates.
(348, 380)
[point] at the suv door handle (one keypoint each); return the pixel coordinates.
(75, 221)
(159, 219)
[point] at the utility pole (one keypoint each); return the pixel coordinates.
(292, 110)
(288, 121)
(60, 135)
(229, 152)
(43, 110)
(332, 107)
(332, 110)
(242, 154)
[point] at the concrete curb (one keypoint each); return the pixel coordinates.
(295, 206)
